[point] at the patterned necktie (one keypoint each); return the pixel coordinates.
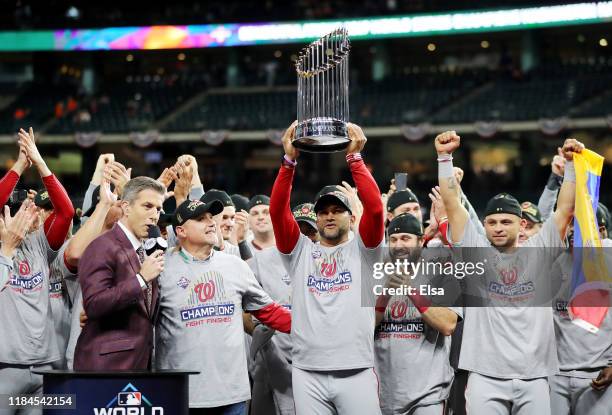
(149, 290)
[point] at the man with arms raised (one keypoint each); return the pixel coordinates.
(333, 345)
(509, 349)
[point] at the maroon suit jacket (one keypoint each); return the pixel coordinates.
(118, 334)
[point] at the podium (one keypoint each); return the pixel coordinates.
(161, 392)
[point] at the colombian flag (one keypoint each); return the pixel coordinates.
(590, 278)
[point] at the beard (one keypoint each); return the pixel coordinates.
(333, 235)
(411, 254)
(510, 242)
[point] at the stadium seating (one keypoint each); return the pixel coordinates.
(581, 89)
(130, 106)
(36, 102)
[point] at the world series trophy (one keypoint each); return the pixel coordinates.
(322, 94)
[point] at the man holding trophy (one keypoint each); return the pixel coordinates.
(333, 344)
(333, 358)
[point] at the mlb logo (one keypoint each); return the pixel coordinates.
(129, 398)
(183, 283)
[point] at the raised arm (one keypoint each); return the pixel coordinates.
(372, 224)
(286, 229)
(446, 143)
(197, 188)
(546, 203)
(91, 229)
(58, 223)
(10, 179)
(13, 230)
(567, 195)
(96, 179)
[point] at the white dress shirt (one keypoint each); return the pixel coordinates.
(136, 243)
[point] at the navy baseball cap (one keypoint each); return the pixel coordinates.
(405, 223)
(399, 198)
(503, 203)
(258, 200)
(240, 202)
(216, 194)
(42, 200)
(193, 209)
(331, 194)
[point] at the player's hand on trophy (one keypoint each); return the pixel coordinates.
(571, 146)
(152, 266)
(290, 150)
(357, 137)
(447, 142)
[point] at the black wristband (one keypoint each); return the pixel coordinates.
(554, 182)
(245, 251)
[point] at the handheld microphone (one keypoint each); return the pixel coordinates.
(155, 241)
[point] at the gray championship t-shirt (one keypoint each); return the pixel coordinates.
(75, 328)
(63, 287)
(267, 265)
(6, 270)
(580, 352)
(515, 339)
(405, 344)
(26, 326)
(330, 329)
(200, 324)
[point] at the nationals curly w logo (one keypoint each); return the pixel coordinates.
(205, 291)
(328, 270)
(24, 268)
(509, 276)
(398, 309)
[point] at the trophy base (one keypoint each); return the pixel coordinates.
(321, 135)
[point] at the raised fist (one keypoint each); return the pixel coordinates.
(447, 142)
(571, 146)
